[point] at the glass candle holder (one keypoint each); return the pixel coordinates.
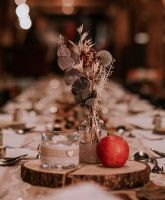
(59, 149)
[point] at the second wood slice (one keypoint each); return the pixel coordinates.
(133, 174)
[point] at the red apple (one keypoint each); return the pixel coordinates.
(113, 151)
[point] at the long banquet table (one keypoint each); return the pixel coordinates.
(40, 105)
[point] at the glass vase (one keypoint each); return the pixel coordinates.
(91, 130)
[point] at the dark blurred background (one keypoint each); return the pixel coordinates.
(133, 31)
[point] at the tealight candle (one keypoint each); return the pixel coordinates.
(59, 149)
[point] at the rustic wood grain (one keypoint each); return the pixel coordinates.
(133, 174)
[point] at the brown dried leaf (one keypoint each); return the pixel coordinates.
(80, 29)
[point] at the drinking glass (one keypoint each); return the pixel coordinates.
(59, 149)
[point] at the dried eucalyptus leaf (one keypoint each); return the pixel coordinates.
(82, 96)
(80, 85)
(63, 51)
(65, 62)
(91, 98)
(89, 101)
(80, 29)
(78, 99)
(71, 75)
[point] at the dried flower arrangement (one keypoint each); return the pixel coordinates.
(89, 73)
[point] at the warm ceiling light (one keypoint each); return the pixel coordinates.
(22, 10)
(68, 10)
(18, 2)
(141, 38)
(68, 2)
(163, 1)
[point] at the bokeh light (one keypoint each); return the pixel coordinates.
(25, 23)
(18, 2)
(141, 38)
(22, 10)
(68, 10)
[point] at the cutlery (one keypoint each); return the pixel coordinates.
(24, 130)
(141, 156)
(13, 158)
(158, 152)
(144, 157)
(11, 161)
(121, 129)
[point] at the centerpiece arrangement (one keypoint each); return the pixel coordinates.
(87, 71)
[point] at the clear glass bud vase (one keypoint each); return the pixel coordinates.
(91, 130)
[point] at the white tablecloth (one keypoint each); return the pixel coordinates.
(118, 107)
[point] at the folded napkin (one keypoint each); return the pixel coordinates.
(5, 118)
(81, 192)
(10, 138)
(21, 151)
(141, 121)
(147, 134)
(159, 145)
(2, 173)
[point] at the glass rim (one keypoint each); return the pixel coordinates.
(61, 132)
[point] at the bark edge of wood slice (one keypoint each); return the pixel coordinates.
(132, 175)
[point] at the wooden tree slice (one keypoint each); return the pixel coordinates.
(133, 174)
(33, 173)
(160, 131)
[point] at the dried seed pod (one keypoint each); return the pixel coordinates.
(105, 57)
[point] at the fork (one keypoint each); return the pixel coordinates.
(158, 152)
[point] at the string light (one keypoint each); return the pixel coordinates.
(68, 7)
(18, 2)
(25, 23)
(22, 11)
(68, 10)
(68, 2)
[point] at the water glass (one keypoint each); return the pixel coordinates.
(59, 149)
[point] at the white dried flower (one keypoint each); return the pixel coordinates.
(84, 35)
(80, 29)
(79, 66)
(61, 42)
